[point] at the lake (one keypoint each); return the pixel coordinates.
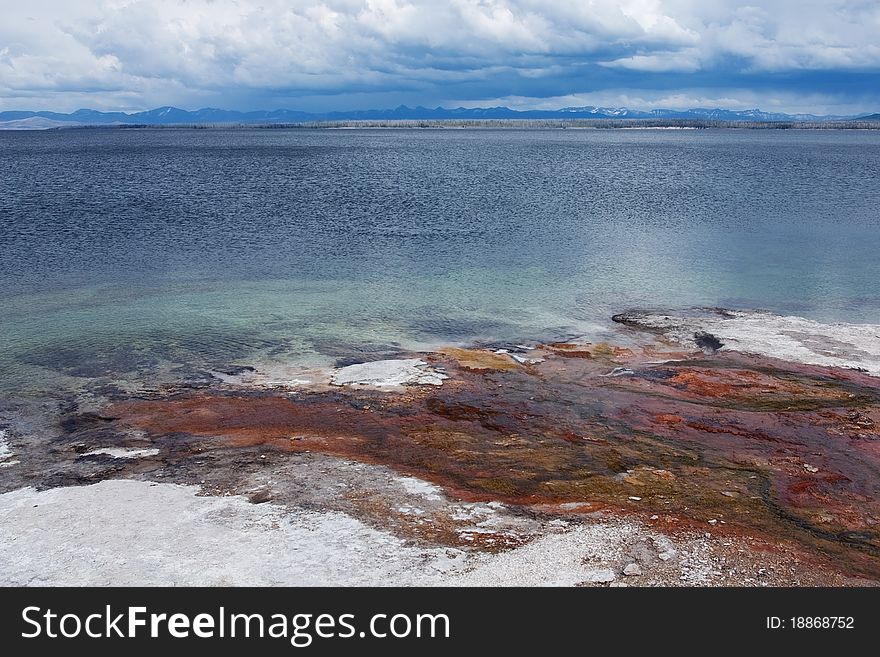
(126, 251)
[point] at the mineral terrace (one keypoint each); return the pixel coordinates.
(672, 460)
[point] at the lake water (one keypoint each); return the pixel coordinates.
(122, 251)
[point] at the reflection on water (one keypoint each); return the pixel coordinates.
(126, 251)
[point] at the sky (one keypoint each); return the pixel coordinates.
(788, 55)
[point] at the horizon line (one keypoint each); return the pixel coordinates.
(606, 111)
(666, 108)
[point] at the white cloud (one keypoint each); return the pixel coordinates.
(687, 60)
(139, 53)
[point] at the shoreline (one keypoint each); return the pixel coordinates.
(26, 125)
(678, 440)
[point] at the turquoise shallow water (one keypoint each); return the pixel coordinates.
(127, 250)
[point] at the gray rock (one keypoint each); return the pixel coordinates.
(619, 371)
(632, 569)
(388, 373)
(602, 576)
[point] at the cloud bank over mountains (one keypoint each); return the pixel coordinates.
(786, 55)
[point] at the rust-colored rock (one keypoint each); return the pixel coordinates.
(722, 439)
(479, 360)
(569, 350)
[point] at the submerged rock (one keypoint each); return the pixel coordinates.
(707, 342)
(388, 373)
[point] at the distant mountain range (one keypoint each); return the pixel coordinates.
(213, 116)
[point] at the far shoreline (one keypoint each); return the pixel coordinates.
(465, 124)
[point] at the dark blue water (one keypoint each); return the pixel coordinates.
(208, 245)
